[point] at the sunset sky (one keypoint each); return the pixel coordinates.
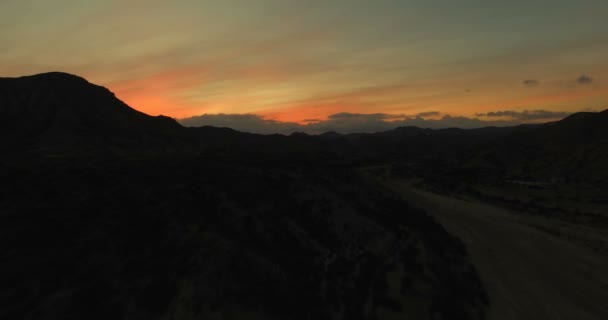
(302, 61)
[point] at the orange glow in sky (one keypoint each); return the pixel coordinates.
(297, 61)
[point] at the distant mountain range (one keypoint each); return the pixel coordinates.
(109, 213)
(59, 113)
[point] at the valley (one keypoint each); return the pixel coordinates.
(528, 270)
(109, 213)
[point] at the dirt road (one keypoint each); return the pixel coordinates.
(528, 273)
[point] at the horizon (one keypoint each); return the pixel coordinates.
(321, 159)
(280, 66)
(345, 123)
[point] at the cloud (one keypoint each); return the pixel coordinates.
(380, 116)
(584, 79)
(531, 83)
(526, 115)
(242, 122)
(345, 116)
(345, 122)
(428, 114)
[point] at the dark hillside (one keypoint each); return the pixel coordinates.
(108, 213)
(55, 111)
(573, 149)
(186, 238)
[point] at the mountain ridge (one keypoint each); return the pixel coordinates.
(60, 111)
(143, 218)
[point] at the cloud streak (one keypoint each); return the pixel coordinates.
(526, 115)
(345, 122)
(292, 60)
(584, 79)
(531, 83)
(242, 122)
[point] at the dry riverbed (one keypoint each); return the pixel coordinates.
(529, 272)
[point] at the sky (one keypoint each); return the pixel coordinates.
(320, 64)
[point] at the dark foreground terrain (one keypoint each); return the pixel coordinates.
(108, 213)
(167, 238)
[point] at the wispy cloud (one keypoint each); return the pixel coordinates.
(526, 115)
(584, 79)
(428, 114)
(295, 60)
(345, 122)
(242, 122)
(531, 83)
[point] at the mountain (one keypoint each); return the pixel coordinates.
(573, 149)
(62, 111)
(140, 218)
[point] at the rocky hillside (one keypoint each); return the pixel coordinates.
(56, 110)
(108, 213)
(190, 239)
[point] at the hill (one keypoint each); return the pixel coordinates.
(574, 149)
(62, 111)
(140, 218)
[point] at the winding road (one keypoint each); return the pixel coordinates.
(527, 272)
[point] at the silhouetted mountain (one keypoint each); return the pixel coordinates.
(227, 225)
(142, 218)
(412, 143)
(58, 111)
(62, 111)
(575, 148)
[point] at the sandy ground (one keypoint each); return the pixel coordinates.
(528, 273)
